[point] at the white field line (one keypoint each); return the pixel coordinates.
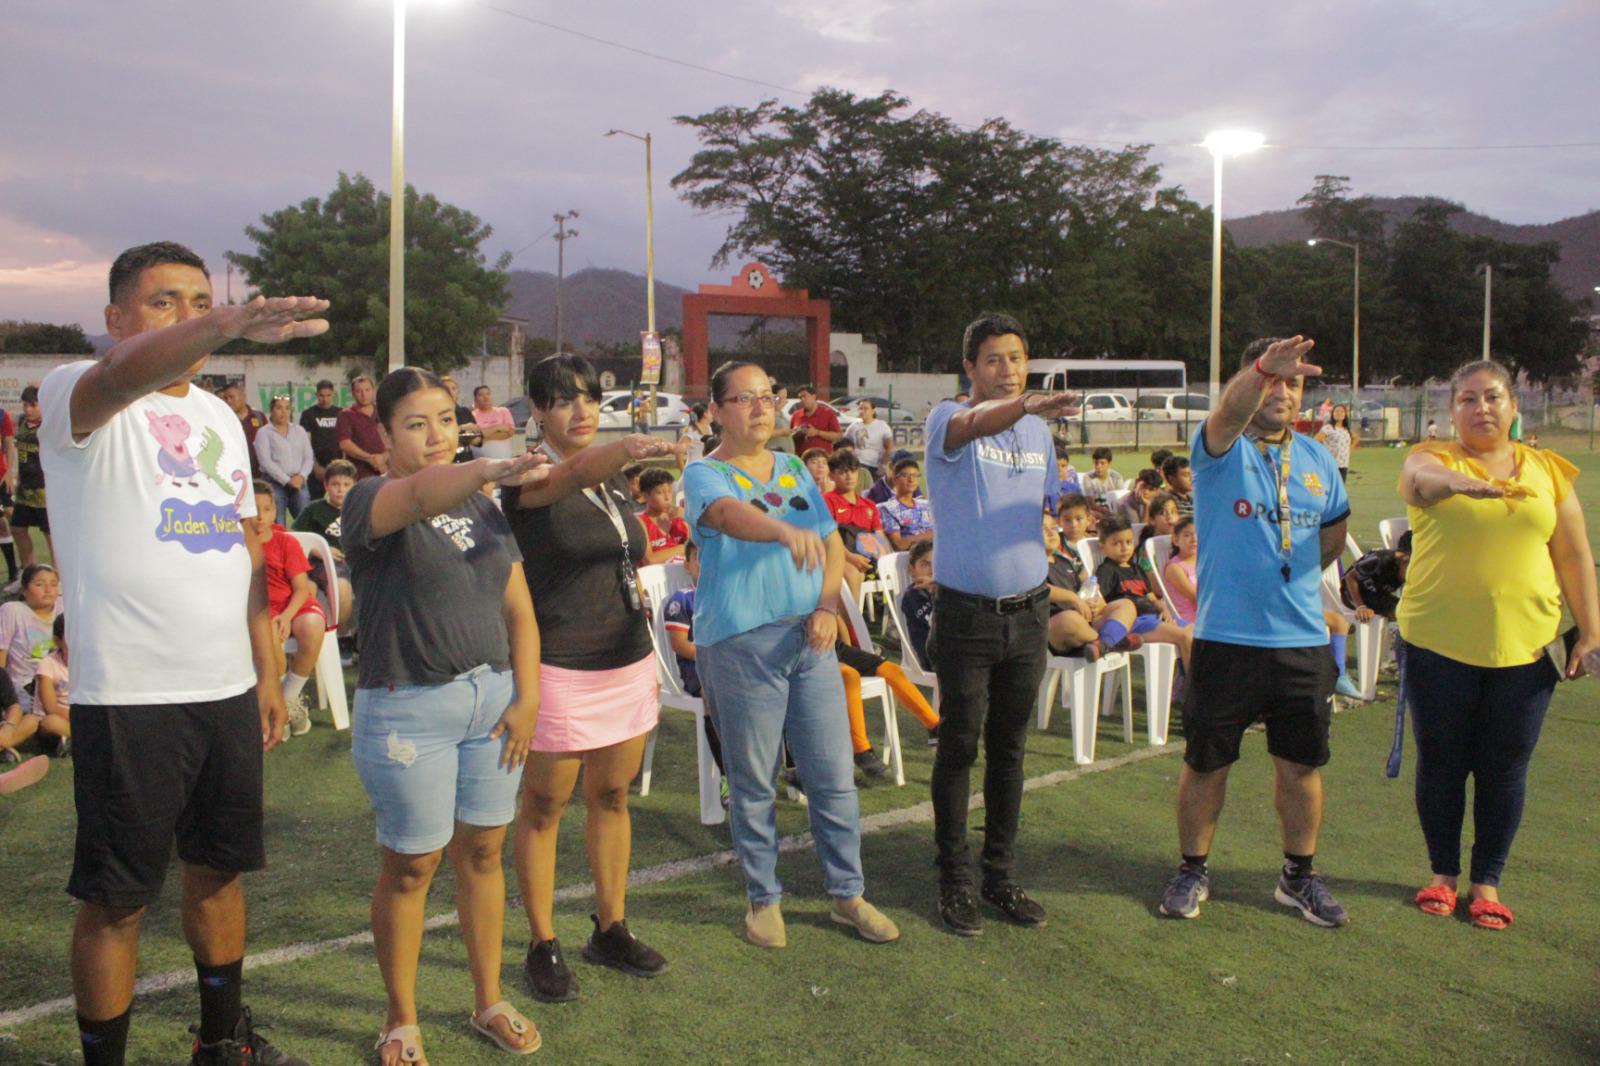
(650, 875)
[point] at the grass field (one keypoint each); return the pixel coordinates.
(1106, 981)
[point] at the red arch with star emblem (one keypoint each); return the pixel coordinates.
(753, 291)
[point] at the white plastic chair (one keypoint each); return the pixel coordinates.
(1115, 497)
(1158, 550)
(1079, 682)
(659, 583)
(870, 591)
(895, 569)
(1390, 530)
(876, 688)
(1368, 635)
(1160, 661)
(330, 672)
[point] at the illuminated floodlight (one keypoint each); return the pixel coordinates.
(1228, 143)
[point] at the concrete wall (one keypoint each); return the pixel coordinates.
(917, 393)
(266, 375)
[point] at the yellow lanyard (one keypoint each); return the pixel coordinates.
(1282, 476)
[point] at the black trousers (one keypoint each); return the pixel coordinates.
(989, 667)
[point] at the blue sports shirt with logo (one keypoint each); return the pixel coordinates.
(1244, 598)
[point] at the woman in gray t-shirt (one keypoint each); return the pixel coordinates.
(446, 698)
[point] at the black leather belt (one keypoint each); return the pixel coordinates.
(1004, 605)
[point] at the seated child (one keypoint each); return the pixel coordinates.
(677, 618)
(1160, 520)
(916, 602)
(292, 599)
(50, 697)
(665, 529)
(1180, 482)
(1081, 622)
(1158, 459)
(16, 728)
(1141, 490)
(854, 664)
(860, 524)
(1120, 579)
(816, 461)
(1067, 480)
(1183, 589)
(633, 472)
(1103, 480)
(321, 517)
(1369, 589)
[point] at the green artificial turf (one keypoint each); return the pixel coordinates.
(1106, 981)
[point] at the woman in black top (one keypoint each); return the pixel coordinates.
(446, 699)
(597, 676)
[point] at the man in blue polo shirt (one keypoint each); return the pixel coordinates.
(1270, 511)
(990, 464)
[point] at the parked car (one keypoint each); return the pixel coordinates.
(521, 409)
(1173, 407)
(616, 413)
(1104, 407)
(892, 413)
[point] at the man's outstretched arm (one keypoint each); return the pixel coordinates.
(1245, 391)
(149, 361)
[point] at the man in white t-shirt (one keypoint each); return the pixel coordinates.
(871, 438)
(164, 588)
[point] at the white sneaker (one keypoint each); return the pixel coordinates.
(299, 717)
(13, 587)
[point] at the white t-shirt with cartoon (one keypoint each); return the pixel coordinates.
(155, 575)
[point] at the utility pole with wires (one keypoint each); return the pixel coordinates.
(562, 235)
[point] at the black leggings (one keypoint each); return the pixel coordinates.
(1482, 721)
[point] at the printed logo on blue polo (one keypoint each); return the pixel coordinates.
(989, 452)
(200, 527)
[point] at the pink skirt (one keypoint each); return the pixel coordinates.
(583, 710)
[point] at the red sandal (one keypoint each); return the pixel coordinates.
(1437, 900)
(1490, 914)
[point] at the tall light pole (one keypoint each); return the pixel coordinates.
(563, 234)
(397, 198)
(1355, 335)
(1488, 302)
(649, 253)
(1221, 144)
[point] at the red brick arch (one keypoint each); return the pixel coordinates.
(754, 291)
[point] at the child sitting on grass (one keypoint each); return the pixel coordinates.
(1179, 575)
(664, 528)
(16, 728)
(1081, 622)
(292, 599)
(916, 602)
(1120, 579)
(50, 698)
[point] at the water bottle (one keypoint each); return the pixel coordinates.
(1090, 593)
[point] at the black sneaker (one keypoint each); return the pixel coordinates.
(1183, 895)
(546, 972)
(247, 1047)
(621, 950)
(1014, 903)
(959, 909)
(869, 763)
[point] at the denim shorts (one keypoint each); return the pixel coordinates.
(424, 756)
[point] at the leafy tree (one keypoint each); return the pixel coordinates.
(43, 338)
(338, 248)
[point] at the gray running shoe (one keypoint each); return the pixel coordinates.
(1310, 896)
(1185, 892)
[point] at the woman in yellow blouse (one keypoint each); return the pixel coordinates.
(1498, 544)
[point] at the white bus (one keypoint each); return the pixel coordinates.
(1127, 376)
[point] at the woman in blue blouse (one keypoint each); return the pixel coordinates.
(765, 622)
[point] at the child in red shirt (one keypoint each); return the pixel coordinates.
(292, 598)
(665, 528)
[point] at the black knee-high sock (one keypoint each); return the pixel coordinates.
(104, 1043)
(8, 548)
(220, 999)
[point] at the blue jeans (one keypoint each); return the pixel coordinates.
(763, 686)
(290, 502)
(424, 756)
(1479, 721)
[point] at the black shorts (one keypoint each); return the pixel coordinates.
(1232, 687)
(146, 775)
(25, 517)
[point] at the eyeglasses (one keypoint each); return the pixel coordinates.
(747, 399)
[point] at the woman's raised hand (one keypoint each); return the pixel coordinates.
(1473, 488)
(644, 446)
(524, 469)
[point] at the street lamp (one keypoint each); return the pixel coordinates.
(1488, 302)
(1355, 342)
(1221, 144)
(397, 197)
(649, 255)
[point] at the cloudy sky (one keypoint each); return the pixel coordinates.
(136, 120)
